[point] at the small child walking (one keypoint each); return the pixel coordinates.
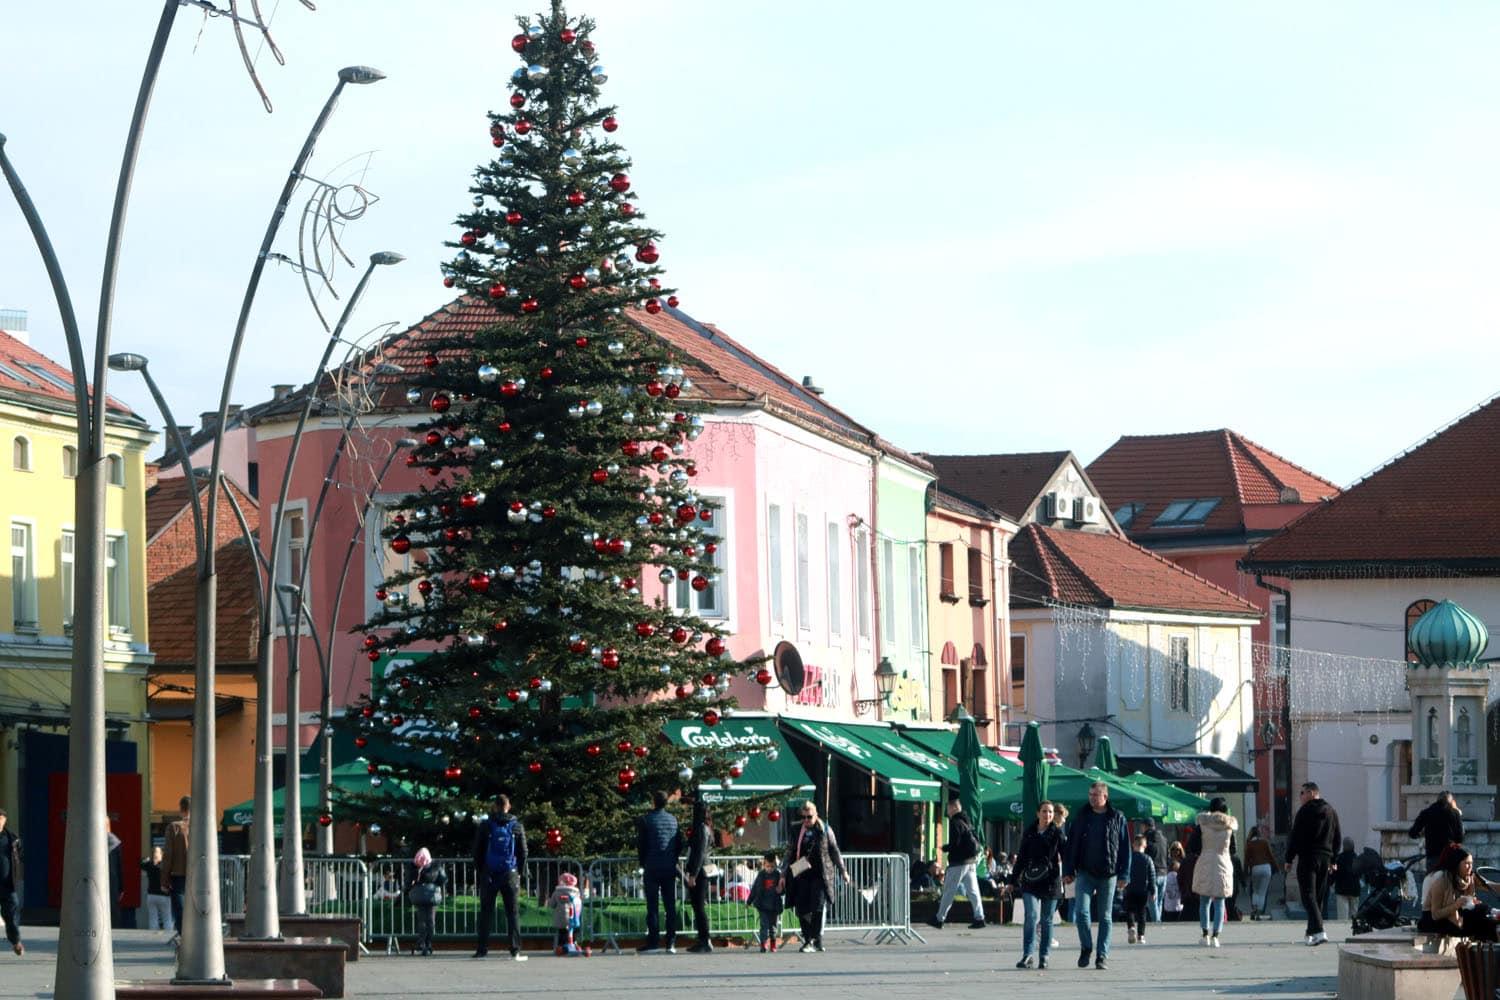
(1139, 891)
(566, 904)
(766, 895)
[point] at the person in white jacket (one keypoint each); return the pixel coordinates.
(1213, 874)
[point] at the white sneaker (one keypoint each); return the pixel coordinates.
(1141, 939)
(670, 949)
(519, 956)
(1131, 935)
(1312, 939)
(1318, 938)
(1214, 941)
(1204, 941)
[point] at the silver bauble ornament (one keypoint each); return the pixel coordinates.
(501, 247)
(643, 521)
(375, 782)
(628, 417)
(679, 478)
(506, 573)
(516, 516)
(586, 231)
(539, 436)
(535, 31)
(572, 158)
(546, 686)
(667, 574)
(594, 407)
(772, 754)
(591, 275)
(497, 463)
(536, 71)
(615, 347)
(598, 74)
(479, 201)
(413, 396)
(612, 468)
(488, 373)
(575, 411)
(518, 75)
(375, 828)
(477, 443)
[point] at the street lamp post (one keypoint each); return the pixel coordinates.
(1086, 742)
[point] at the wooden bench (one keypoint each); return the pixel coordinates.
(143, 989)
(319, 961)
(346, 929)
(1395, 971)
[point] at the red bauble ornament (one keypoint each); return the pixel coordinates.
(627, 209)
(549, 511)
(500, 625)
(400, 545)
(710, 718)
(690, 551)
(430, 361)
(519, 42)
(513, 696)
(440, 403)
(513, 218)
(448, 282)
(425, 587)
(736, 771)
(367, 711)
(503, 427)
(601, 545)
(672, 301)
(648, 254)
(715, 646)
(706, 514)
(325, 819)
(497, 141)
(450, 534)
(522, 127)
(631, 448)
(682, 692)
(517, 100)
(653, 307)
(629, 583)
(610, 659)
(509, 389)
(578, 282)
(361, 742)
(547, 373)
(381, 594)
(700, 583)
(654, 388)
(619, 183)
(479, 582)
(535, 767)
(580, 342)
(660, 453)
(709, 680)
(411, 461)
(576, 198)
(645, 629)
(774, 816)
(686, 512)
(475, 711)
(679, 417)
(755, 812)
(655, 517)
(739, 821)
(578, 646)
(673, 390)
(624, 775)
(453, 772)
(616, 546)
(434, 471)
(467, 239)
(433, 438)
(709, 548)
(642, 752)
(609, 124)
(567, 36)
(624, 746)
(599, 475)
(497, 291)
(535, 683)
(373, 655)
(763, 676)
(530, 305)
(623, 786)
(679, 635)
(593, 749)
(371, 642)
(468, 501)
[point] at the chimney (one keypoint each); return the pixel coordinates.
(811, 386)
(234, 410)
(152, 474)
(281, 391)
(209, 419)
(186, 430)
(13, 322)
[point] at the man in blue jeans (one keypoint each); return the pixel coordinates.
(1098, 854)
(1156, 846)
(658, 845)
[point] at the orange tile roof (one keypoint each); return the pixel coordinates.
(1434, 509)
(21, 368)
(1104, 570)
(172, 612)
(169, 498)
(1157, 469)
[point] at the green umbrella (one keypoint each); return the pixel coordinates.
(1034, 776)
(1104, 756)
(1182, 805)
(966, 753)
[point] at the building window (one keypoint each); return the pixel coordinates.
(862, 582)
(290, 560)
(22, 576)
(70, 462)
(914, 594)
(945, 572)
(117, 582)
(835, 581)
(1414, 612)
(1182, 513)
(116, 470)
(950, 691)
(710, 601)
(65, 571)
(888, 590)
(1127, 513)
(773, 562)
(380, 562)
(1281, 632)
(1018, 673)
(1179, 674)
(47, 376)
(804, 574)
(20, 454)
(976, 578)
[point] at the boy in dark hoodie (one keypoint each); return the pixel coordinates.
(1139, 891)
(766, 896)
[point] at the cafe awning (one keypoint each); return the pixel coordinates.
(770, 765)
(347, 778)
(906, 781)
(992, 766)
(1201, 774)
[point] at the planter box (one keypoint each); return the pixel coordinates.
(320, 961)
(313, 925)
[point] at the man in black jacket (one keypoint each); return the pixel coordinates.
(658, 845)
(1156, 848)
(1440, 824)
(499, 857)
(10, 874)
(1098, 855)
(1314, 840)
(963, 849)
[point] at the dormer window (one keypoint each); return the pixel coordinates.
(1127, 513)
(1185, 513)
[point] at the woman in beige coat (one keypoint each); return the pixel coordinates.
(1213, 875)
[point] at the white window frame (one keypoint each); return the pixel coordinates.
(380, 561)
(66, 573)
(803, 558)
(775, 595)
(21, 459)
(69, 462)
(916, 595)
(23, 601)
(713, 603)
(284, 563)
(862, 625)
(117, 583)
(1280, 619)
(888, 590)
(835, 536)
(115, 468)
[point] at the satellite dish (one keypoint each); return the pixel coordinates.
(788, 665)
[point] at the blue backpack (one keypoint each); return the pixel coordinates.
(500, 856)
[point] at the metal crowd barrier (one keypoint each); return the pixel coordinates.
(876, 899)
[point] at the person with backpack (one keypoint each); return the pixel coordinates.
(658, 843)
(963, 849)
(499, 855)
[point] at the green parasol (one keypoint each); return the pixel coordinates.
(1034, 773)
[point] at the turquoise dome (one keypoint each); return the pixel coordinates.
(1448, 636)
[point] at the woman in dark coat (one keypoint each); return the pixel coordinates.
(813, 861)
(424, 890)
(1038, 874)
(700, 840)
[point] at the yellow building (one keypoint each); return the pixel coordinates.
(38, 465)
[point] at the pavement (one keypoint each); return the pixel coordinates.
(1263, 959)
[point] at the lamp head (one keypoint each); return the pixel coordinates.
(959, 713)
(288, 588)
(127, 362)
(386, 257)
(388, 368)
(406, 443)
(361, 74)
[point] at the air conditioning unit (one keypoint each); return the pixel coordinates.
(1059, 507)
(1088, 510)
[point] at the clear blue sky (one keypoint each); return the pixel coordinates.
(987, 226)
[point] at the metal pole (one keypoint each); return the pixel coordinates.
(261, 920)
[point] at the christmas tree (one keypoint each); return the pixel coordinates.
(556, 475)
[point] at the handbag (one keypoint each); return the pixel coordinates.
(1036, 873)
(425, 894)
(801, 866)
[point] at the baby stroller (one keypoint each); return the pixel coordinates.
(1391, 888)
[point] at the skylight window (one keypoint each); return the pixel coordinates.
(1127, 513)
(15, 376)
(1185, 513)
(44, 374)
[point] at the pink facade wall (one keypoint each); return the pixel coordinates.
(239, 451)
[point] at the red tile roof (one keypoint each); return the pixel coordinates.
(172, 612)
(1157, 469)
(20, 378)
(1104, 570)
(1009, 483)
(169, 498)
(1435, 508)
